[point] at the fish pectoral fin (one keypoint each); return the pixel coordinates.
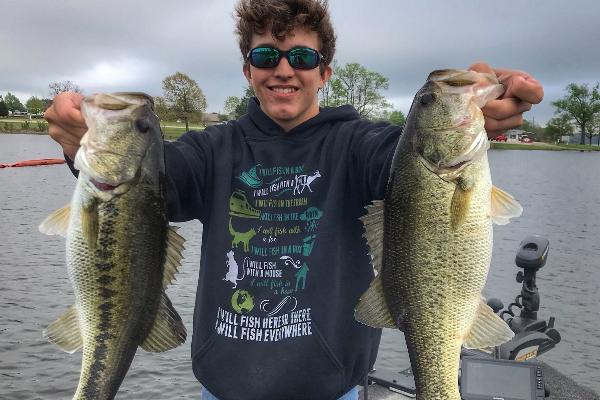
(64, 332)
(57, 223)
(488, 329)
(89, 223)
(372, 310)
(168, 330)
(503, 207)
(173, 255)
(459, 207)
(373, 223)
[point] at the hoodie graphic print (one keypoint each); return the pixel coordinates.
(273, 226)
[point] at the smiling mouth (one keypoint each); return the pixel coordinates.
(286, 90)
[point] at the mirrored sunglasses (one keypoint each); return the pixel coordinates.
(297, 57)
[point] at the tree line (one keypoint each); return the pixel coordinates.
(35, 105)
(577, 112)
(352, 84)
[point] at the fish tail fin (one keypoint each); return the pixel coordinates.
(65, 332)
(488, 329)
(503, 207)
(372, 310)
(168, 330)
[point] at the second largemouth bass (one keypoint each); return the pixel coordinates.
(431, 239)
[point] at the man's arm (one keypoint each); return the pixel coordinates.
(522, 91)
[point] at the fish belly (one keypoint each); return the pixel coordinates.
(432, 273)
(117, 285)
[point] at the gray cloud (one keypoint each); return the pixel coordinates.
(123, 45)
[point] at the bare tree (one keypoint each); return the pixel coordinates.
(63, 86)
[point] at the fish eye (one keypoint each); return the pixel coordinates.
(427, 99)
(142, 125)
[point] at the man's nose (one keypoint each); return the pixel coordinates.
(284, 69)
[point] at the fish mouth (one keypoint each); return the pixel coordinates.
(451, 169)
(104, 187)
(113, 185)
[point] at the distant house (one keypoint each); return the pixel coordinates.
(565, 139)
(211, 119)
(515, 135)
(18, 113)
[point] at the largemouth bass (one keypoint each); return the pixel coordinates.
(121, 252)
(431, 238)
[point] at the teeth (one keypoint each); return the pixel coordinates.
(284, 90)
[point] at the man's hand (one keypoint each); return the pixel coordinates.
(65, 122)
(522, 90)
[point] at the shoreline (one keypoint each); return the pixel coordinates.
(24, 133)
(493, 145)
(541, 146)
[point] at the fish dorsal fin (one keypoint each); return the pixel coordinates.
(57, 223)
(64, 332)
(373, 223)
(173, 255)
(168, 330)
(372, 310)
(503, 207)
(487, 330)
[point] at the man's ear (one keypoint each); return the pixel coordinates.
(247, 73)
(325, 75)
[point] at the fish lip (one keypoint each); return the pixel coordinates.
(104, 187)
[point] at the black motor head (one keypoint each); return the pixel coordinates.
(532, 253)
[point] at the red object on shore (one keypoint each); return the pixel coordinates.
(33, 163)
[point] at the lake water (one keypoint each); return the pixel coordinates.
(559, 191)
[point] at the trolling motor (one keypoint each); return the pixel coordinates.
(532, 336)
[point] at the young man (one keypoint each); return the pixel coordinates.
(279, 193)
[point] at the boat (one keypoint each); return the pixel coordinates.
(512, 371)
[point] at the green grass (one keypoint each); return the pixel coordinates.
(14, 125)
(171, 129)
(521, 146)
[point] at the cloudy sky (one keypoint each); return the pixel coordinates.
(132, 45)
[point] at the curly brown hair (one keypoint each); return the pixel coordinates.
(283, 16)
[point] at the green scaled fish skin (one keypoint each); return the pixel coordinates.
(431, 237)
(121, 252)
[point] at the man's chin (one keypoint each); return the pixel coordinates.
(281, 113)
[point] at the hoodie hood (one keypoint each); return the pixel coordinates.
(260, 125)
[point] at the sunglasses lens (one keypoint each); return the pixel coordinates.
(298, 57)
(303, 58)
(264, 57)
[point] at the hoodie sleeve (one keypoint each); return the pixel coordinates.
(373, 152)
(187, 162)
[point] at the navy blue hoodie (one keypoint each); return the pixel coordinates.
(283, 259)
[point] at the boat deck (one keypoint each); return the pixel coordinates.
(560, 386)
